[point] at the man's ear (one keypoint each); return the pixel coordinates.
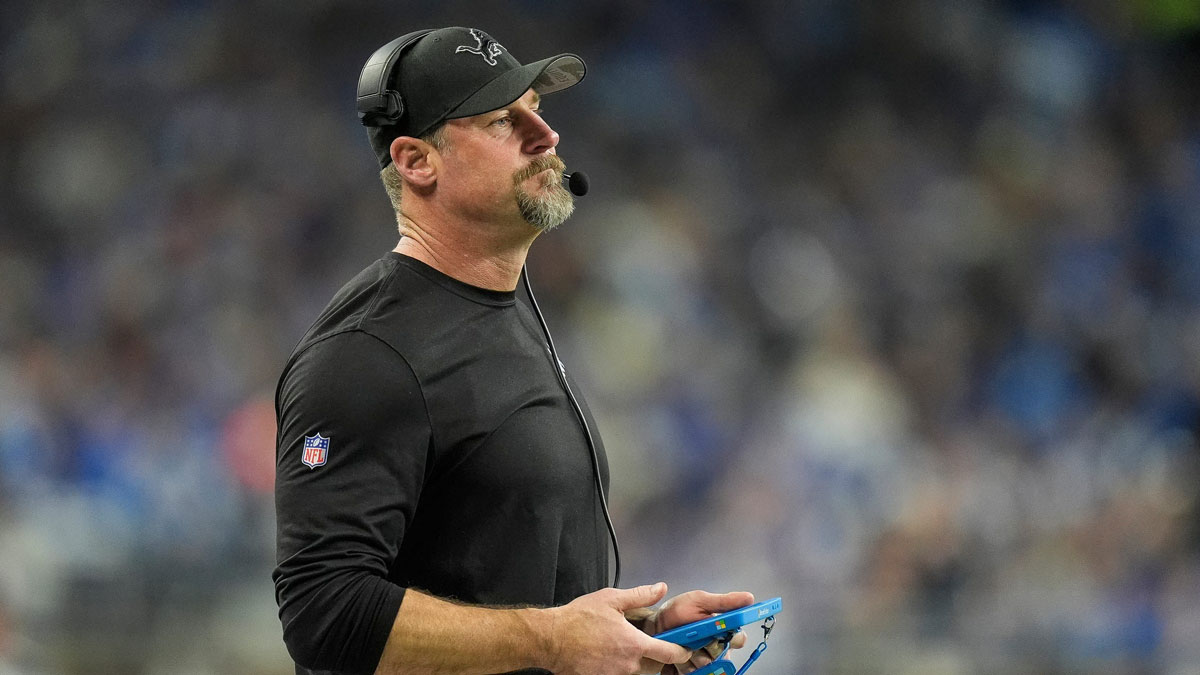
(416, 161)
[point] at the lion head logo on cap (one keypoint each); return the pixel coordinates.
(489, 50)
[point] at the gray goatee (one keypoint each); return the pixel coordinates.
(547, 208)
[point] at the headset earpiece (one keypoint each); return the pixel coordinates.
(378, 105)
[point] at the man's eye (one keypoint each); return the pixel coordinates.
(538, 111)
(501, 121)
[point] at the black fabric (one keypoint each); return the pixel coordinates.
(455, 464)
(458, 72)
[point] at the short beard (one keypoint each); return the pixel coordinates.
(547, 208)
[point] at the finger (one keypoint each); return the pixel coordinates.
(665, 652)
(701, 659)
(639, 596)
(722, 602)
(714, 648)
(739, 640)
(641, 617)
(652, 667)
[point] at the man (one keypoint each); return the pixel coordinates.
(435, 497)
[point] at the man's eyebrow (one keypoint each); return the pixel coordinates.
(537, 100)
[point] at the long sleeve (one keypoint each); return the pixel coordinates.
(340, 521)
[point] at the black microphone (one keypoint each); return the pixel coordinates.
(577, 183)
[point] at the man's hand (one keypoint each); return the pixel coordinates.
(694, 606)
(590, 635)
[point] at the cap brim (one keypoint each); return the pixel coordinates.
(545, 77)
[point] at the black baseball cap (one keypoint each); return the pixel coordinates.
(450, 73)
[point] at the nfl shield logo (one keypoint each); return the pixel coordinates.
(316, 450)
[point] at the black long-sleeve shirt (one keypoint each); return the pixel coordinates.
(454, 464)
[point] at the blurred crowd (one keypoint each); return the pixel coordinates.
(889, 308)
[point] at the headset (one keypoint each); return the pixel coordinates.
(378, 105)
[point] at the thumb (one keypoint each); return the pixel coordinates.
(639, 596)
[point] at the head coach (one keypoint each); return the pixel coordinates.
(439, 487)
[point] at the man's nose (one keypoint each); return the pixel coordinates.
(540, 137)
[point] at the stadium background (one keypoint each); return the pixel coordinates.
(889, 308)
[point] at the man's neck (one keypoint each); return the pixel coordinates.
(486, 257)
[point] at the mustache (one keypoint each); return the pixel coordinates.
(537, 166)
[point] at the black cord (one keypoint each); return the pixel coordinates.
(562, 378)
